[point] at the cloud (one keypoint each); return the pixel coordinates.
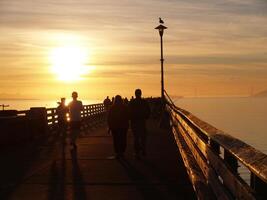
(204, 38)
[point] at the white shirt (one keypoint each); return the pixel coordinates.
(75, 107)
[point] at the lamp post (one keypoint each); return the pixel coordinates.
(161, 31)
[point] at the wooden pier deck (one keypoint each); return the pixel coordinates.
(190, 159)
(55, 171)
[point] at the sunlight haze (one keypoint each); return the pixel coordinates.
(99, 48)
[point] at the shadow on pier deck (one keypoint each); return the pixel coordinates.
(54, 171)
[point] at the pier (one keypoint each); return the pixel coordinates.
(187, 159)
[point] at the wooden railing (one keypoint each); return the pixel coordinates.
(212, 158)
(22, 112)
(20, 127)
(89, 112)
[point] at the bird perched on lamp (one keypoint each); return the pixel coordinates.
(161, 21)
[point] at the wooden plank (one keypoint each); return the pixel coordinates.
(209, 173)
(234, 183)
(198, 141)
(194, 172)
(22, 112)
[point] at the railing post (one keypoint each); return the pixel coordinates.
(53, 112)
(37, 120)
(86, 111)
(259, 186)
(215, 147)
(231, 161)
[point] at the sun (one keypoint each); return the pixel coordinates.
(69, 62)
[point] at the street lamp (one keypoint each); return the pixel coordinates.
(161, 31)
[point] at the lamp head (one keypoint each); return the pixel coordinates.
(161, 29)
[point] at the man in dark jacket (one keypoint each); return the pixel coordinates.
(139, 113)
(118, 122)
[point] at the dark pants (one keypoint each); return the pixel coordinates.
(140, 135)
(75, 128)
(119, 140)
(62, 129)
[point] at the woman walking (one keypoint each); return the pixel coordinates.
(118, 122)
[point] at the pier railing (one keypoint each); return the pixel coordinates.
(212, 158)
(93, 111)
(27, 125)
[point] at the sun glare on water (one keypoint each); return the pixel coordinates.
(69, 63)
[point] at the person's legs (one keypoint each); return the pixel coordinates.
(75, 133)
(71, 132)
(60, 129)
(143, 137)
(75, 130)
(123, 141)
(63, 131)
(116, 144)
(140, 138)
(136, 142)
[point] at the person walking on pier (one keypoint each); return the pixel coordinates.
(118, 122)
(107, 103)
(75, 108)
(126, 101)
(62, 111)
(139, 113)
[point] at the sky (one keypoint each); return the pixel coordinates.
(211, 47)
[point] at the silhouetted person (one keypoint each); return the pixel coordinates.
(107, 103)
(62, 111)
(139, 113)
(118, 122)
(126, 101)
(112, 100)
(75, 108)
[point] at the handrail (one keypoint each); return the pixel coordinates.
(206, 141)
(169, 100)
(89, 111)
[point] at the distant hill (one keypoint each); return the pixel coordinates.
(261, 94)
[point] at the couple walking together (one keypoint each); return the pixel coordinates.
(120, 115)
(74, 109)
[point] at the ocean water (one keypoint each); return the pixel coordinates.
(243, 118)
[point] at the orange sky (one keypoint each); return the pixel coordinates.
(212, 48)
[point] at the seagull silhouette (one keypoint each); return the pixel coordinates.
(161, 21)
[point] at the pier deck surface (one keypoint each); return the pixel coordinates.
(55, 171)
